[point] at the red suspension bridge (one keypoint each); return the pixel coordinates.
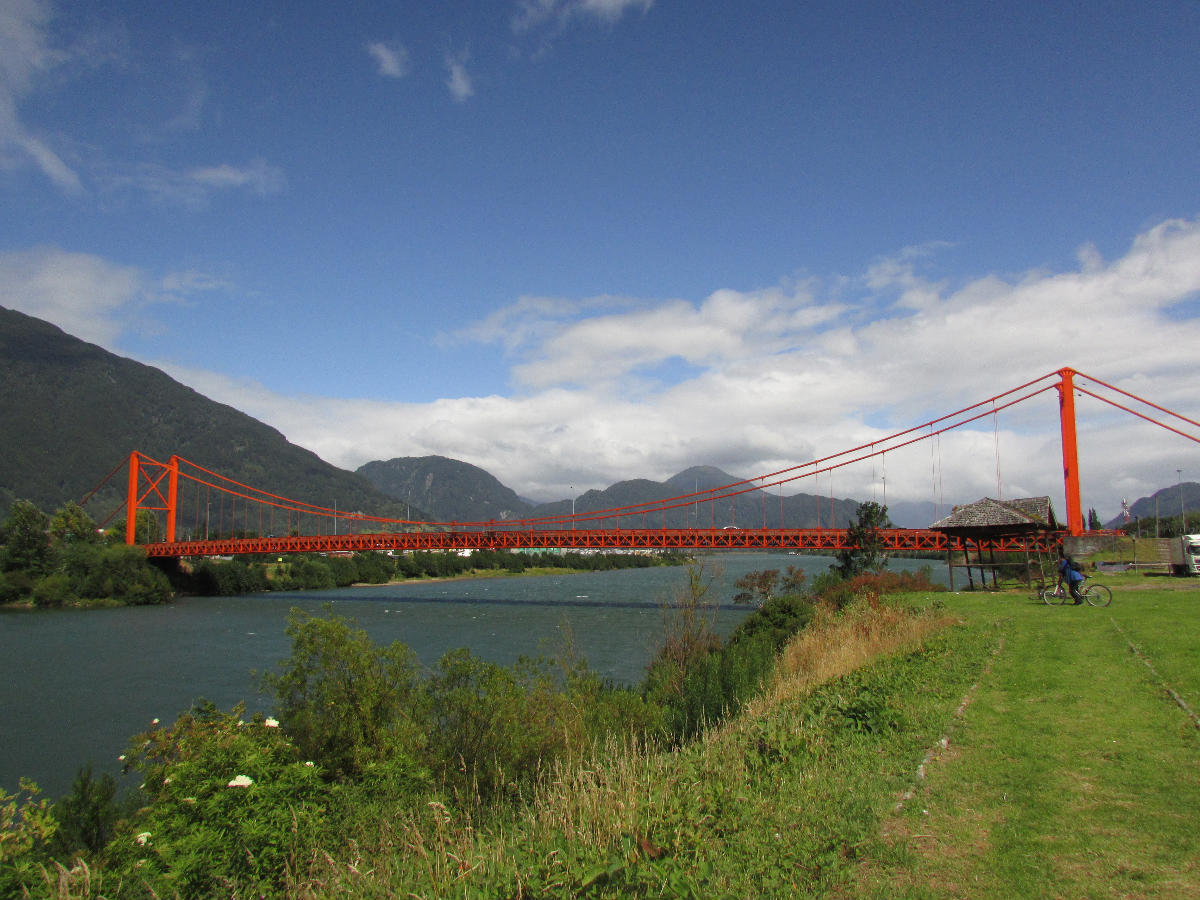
(272, 523)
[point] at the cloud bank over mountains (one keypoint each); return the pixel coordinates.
(600, 389)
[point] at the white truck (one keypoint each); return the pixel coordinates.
(1185, 555)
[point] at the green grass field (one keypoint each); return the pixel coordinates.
(1073, 771)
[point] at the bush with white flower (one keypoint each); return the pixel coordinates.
(226, 800)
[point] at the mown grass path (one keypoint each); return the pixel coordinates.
(1073, 772)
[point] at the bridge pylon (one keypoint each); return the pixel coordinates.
(146, 492)
(1070, 450)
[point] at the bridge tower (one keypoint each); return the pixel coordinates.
(145, 492)
(1070, 450)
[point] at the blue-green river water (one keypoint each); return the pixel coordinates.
(75, 685)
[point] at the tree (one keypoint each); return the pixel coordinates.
(26, 545)
(1093, 520)
(345, 700)
(70, 525)
(865, 550)
(762, 587)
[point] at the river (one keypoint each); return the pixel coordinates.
(75, 685)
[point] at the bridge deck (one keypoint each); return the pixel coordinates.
(829, 539)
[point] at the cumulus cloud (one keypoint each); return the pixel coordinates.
(391, 59)
(780, 376)
(610, 388)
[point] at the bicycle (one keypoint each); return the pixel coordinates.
(1093, 594)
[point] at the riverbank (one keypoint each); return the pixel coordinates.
(1014, 749)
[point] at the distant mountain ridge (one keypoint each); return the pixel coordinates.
(454, 491)
(1164, 503)
(451, 490)
(70, 411)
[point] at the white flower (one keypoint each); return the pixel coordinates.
(241, 781)
(142, 839)
(121, 758)
(271, 723)
(154, 721)
(309, 763)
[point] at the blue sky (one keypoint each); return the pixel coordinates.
(579, 240)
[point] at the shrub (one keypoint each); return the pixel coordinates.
(310, 574)
(345, 701)
(87, 816)
(229, 806)
(53, 591)
(26, 825)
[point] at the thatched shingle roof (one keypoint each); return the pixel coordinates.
(1028, 513)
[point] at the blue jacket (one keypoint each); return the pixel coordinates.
(1069, 573)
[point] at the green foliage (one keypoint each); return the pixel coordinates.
(778, 620)
(226, 578)
(25, 539)
(87, 816)
(866, 553)
(227, 803)
(374, 568)
(53, 592)
(760, 587)
(688, 636)
(15, 586)
(494, 727)
(117, 571)
(70, 524)
(26, 826)
(346, 702)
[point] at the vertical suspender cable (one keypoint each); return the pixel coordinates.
(996, 440)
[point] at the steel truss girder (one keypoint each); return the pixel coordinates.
(828, 539)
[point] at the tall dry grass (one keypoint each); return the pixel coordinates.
(837, 642)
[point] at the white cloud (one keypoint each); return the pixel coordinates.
(90, 297)
(83, 294)
(458, 80)
(26, 56)
(391, 59)
(770, 377)
(532, 14)
(780, 375)
(258, 176)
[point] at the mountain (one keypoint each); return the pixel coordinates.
(1162, 503)
(451, 490)
(454, 491)
(71, 412)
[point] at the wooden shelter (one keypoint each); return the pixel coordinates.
(972, 523)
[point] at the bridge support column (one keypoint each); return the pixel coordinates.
(153, 472)
(131, 503)
(172, 497)
(1070, 450)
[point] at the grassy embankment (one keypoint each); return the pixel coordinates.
(1055, 764)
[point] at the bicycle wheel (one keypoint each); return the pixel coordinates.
(1097, 595)
(1053, 597)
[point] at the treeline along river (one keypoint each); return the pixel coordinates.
(75, 685)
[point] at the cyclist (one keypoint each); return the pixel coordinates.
(1068, 571)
